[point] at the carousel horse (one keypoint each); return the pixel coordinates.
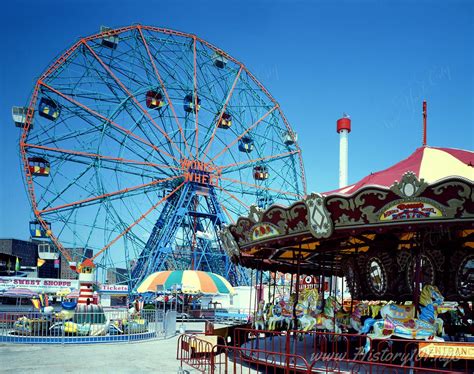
(326, 320)
(276, 318)
(309, 303)
(287, 312)
(398, 320)
(259, 317)
(375, 307)
(361, 310)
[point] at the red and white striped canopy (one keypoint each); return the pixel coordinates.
(429, 163)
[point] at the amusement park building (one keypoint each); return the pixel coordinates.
(116, 276)
(27, 253)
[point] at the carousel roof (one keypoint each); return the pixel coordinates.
(432, 190)
(430, 163)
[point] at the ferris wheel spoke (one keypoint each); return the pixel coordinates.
(195, 98)
(260, 187)
(108, 120)
(97, 156)
(221, 113)
(256, 160)
(235, 208)
(226, 211)
(254, 125)
(109, 194)
(165, 91)
(234, 197)
(124, 232)
(134, 99)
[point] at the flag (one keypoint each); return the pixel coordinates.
(17, 264)
(40, 262)
(56, 264)
(36, 303)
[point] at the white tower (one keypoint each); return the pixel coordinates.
(343, 128)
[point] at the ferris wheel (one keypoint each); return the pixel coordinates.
(139, 143)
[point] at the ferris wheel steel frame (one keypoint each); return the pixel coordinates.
(180, 165)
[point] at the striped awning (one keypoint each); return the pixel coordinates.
(190, 281)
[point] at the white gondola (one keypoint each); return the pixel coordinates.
(219, 60)
(206, 235)
(109, 41)
(290, 138)
(47, 252)
(19, 116)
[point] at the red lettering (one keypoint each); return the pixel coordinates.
(410, 206)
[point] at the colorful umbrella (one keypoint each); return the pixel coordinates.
(191, 282)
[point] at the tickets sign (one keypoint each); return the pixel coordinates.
(410, 211)
(114, 288)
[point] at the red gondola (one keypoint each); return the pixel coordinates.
(38, 166)
(260, 172)
(154, 100)
(225, 121)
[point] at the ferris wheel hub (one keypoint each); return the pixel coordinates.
(196, 171)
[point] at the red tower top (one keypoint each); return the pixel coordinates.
(344, 123)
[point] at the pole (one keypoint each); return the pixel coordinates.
(343, 157)
(251, 289)
(424, 123)
(416, 291)
(297, 289)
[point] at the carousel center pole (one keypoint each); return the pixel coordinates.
(250, 299)
(295, 303)
(416, 288)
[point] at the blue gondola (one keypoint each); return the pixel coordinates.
(189, 103)
(37, 230)
(48, 109)
(246, 144)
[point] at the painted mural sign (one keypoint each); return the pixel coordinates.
(410, 211)
(262, 231)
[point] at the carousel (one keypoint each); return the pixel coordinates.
(400, 240)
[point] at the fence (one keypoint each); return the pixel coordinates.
(310, 352)
(96, 326)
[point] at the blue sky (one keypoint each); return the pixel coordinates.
(376, 60)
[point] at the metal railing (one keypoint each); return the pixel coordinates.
(310, 352)
(108, 325)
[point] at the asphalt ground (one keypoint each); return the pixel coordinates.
(157, 356)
